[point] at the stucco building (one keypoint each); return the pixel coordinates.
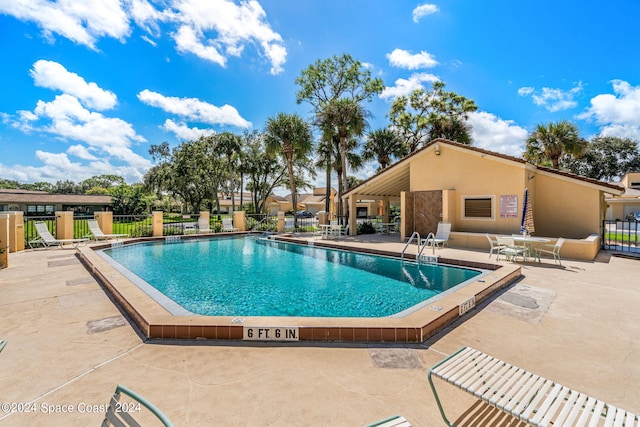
(480, 191)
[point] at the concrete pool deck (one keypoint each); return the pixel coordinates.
(68, 344)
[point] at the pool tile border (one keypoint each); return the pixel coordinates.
(155, 322)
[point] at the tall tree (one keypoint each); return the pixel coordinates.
(605, 158)
(290, 136)
(547, 143)
(265, 172)
(345, 119)
(326, 81)
(384, 145)
(425, 115)
(229, 144)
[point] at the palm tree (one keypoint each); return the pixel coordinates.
(548, 143)
(383, 144)
(229, 144)
(290, 136)
(452, 128)
(346, 119)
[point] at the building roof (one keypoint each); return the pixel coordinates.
(395, 178)
(41, 197)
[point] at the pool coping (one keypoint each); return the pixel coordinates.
(155, 322)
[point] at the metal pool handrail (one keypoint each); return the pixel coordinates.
(424, 244)
(415, 234)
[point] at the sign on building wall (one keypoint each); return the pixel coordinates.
(509, 206)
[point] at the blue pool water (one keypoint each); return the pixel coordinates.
(249, 277)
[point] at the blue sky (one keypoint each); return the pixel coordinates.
(87, 87)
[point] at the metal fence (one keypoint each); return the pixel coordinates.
(621, 236)
(175, 224)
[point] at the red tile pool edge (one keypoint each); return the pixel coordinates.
(154, 322)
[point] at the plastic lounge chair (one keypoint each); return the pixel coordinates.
(2, 344)
(204, 226)
(97, 233)
(494, 245)
(533, 399)
(442, 235)
(46, 239)
(553, 250)
(393, 421)
(121, 413)
(227, 225)
(510, 250)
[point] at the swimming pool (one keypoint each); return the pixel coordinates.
(259, 277)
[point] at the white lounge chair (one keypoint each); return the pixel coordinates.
(204, 226)
(494, 244)
(441, 238)
(46, 239)
(393, 421)
(533, 399)
(97, 233)
(227, 225)
(553, 250)
(123, 412)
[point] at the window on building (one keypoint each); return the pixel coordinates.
(40, 209)
(478, 207)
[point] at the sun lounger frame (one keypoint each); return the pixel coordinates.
(529, 397)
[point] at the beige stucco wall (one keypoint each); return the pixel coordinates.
(565, 209)
(470, 174)
(562, 207)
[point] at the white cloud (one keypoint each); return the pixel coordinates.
(495, 134)
(52, 75)
(404, 59)
(195, 110)
(233, 25)
(553, 99)
(81, 21)
(618, 114)
(184, 132)
(81, 152)
(424, 10)
(211, 29)
(525, 91)
(404, 87)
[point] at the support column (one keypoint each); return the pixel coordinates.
(16, 231)
(385, 209)
(353, 227)
(280, 228)
(64, 225)
(156, 224)
(105, 221)
(4, 240)
(239, 220)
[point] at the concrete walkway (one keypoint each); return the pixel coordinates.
(68, 347)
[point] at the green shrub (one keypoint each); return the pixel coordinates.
(366, 228)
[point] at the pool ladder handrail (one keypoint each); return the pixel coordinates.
(414, 234)
(430, 238)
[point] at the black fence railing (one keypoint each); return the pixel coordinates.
(621, 236)
(179, 224)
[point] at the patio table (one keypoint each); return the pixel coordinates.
(528, 242)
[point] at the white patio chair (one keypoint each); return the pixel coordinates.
(127, 412)
(97, 234)
(204, 226)
(46, 239)
(494, 244)
(553, 250)
(442, 235)
(510, 250)
(227, 225)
